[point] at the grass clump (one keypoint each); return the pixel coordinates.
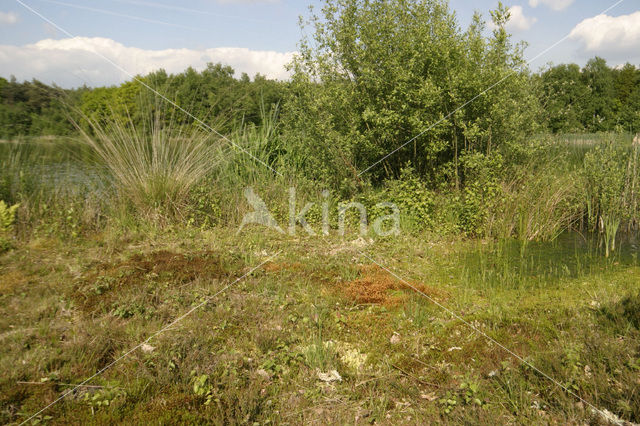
(611, 175)
(536, 205)
(155, 165)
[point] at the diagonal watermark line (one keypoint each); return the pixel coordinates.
(189, 10)
(162, 330)
(136, 79)
(510, 74)
(486, 336)
(122, 15)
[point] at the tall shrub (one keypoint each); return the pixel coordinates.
(376, 73)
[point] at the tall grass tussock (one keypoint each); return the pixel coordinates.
(153, 167)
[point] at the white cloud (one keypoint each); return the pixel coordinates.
(8, 18)
(617, 38)
(517, 20)
(556, 5)
(70, 62)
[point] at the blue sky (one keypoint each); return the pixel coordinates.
(262, 34)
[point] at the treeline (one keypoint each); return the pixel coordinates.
(214, 95)
(34, 108)
(593, 98)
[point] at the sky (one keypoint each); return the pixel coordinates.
(105, 42)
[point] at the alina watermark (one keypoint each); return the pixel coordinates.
(385, 224)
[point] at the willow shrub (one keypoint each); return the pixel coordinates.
(373, 75)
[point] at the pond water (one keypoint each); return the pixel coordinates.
(513, 264)
(59, 164)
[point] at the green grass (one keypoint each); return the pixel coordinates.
(253, 353)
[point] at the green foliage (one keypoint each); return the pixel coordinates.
(128, 310)
(7, 216)
(212, 95)
(412, 196)
(204, 205)
(282, 357)
(103, 397)
(33, 108)
(377, 73)
(600, 105)
(482, 190)
(7, 219)
(605, 173)
(561, 92)
(202, 387)
(105, 104)
(466, 394)
(255, 148)
(594, 98)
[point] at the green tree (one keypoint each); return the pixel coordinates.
(376, 73)
(563, 92)
(600, 106)
(627, 89)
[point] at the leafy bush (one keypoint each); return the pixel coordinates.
(374, 74)
(413, 198)
(481, 191)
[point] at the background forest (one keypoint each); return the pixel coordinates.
(573, 99)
